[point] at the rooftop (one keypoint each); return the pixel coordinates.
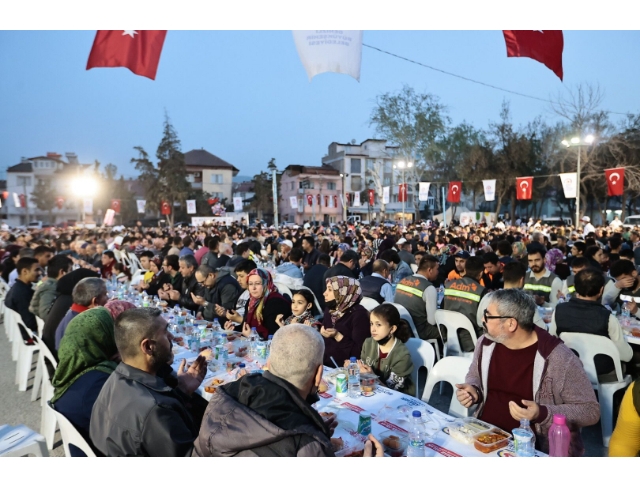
(203, 158)
(22, 167)
(295, 169)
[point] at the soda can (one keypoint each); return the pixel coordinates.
(364, 423)
(341, 385)
(261, 350)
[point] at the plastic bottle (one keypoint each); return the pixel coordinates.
(253, 339)
(216, 324)
(353, 377)
(269, 345)
(625, 315)
(440, 294)
(241, 370)
(559, 437)
(527, 451)
(416, 436)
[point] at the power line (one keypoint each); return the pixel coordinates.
(537, 98)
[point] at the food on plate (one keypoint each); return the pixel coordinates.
(356, 453)
(241, 351)
(491, 441)
(392, 441)
(178, 340)
(635, 332)
(211, 388)
(323, 387)
(338, 443)
(206, 352)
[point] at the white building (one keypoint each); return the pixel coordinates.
(210, 173)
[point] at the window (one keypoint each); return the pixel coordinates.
(356, 166)
(24, 181)
(356, 183)
(386, 180)
(331, 185)
(217, 179)
(371, 165)
(190, 178)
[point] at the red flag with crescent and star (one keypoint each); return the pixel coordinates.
(137, 50)
(319, 200)
(326, 201)
(310, 200)
(615, 181)
(402, 193)
(455, 188)
(115, 205)
(524, 188)
(544, 46)
(372, 197)
(335, 200)
(166, 208)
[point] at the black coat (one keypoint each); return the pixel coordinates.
(339, 270)
(314, 280)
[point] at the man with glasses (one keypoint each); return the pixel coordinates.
(172, 279)
(519, 371)
(220, 290)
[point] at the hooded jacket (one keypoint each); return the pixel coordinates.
(261, 415)
(225, 292)
(560, 386)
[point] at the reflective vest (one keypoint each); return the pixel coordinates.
(463, 295)
(571, 287)
(410, 294)
(539, 287)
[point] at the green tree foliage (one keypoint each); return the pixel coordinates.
(44, 196)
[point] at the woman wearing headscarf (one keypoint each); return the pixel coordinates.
(87, 356)
(345, 325)
(554, 262)
(62, 304)
(519, 253)
(366, 262)
(264, 305)
(117, 306)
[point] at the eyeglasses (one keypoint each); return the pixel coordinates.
(486, 317)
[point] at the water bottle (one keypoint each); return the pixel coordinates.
(353, 373)
(253, 339)
(524, 439)
(559, 437)
(241, 369)
(216, 324)
(269, 345)
(416, 436)
(440, 295)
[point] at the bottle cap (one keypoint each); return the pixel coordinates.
(242, 365)
(353, 359)
(253, 328)
(416, 414)
(270, 337)
(559, 419)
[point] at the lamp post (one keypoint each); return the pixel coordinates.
(83, 186)
(344, 177)
(579, 143)
(402, 165)
(274, 188)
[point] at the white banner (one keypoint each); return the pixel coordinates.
(423, 192)
(337, 51)
(88, 205)
(141, 204)
(16, 200)
(237, 203)
(331, 201)
(385, 195)
(356, 199)
(108, 217)
(489, 189)
(569, 184)
(191, 207)
(293, 201)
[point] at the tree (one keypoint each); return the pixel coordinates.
(44, 196)
(263, 198)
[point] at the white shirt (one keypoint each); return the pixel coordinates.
(13, 275)
(242, 302)
(588, 228)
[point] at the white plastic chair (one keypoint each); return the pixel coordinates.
(9, 326)
(453, 321)
(405, 315)
(69, 433)
(414, 267)
(369, 303)
(25, 355)
(47, 419)
(315, 300)
(422, 355)
(282, 289)
(452, 370)
(19, 441)
(588, 346)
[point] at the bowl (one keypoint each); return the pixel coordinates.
(394, 443)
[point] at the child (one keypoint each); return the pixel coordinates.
(303, 309)
(122, 273)
(385, 353)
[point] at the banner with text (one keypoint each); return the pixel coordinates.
(191, 207)
(337, 51)
(141, 204)
(569, 186)
(385, 195)
(423, 192)
(489, 189)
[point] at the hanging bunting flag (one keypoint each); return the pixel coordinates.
(385, 194)
(191, 207)
(166, 208)
(326, 201)
(348, 196)
(310, 200)
(356, 199)
(16, 200)
(402, 192)
(335, 200)
(115, 206)
(137, 50)
(569, 186)
(319, 200)
(544, 46)
(524, 188)
(237, 203)
(423, 191)
(23, 201)
(337, 51)
(88, 205)
(489, 189)
(59, 202)
(293, 202)
(455, 188)
(109, 215)
(5, 195)
(615, 181)
(372, 197)
(141, 205)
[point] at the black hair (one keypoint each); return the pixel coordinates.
(187, 241)
(474, 267)
(42, 249)
(309, 298)
(390, 256)
(591, 251)
(581, 246)
(618, 268)
(148, 254)
(173, 261)
(176, 240)
(57, 264)
(513, 272)
(246, 266)
(296, 254)
(309, 240)
(25, 263)
(324, 259)
(427, 262)
(589, 282)
(490, 258)
(579, 262)
(213, 243)
(349, 255)
(391, 315)
(109, 253)
(504, 247)
(133, 326)
(241, 248)
(627, 254)
(537, 250)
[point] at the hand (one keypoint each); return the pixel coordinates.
(373, 448)
(199, 300)
(279, 320)
(174, 295)
(364, 368)
(633, 307)
(530, 411)
(198, 316)
(625, 282)
(189, 380)
(162, 294)
(328, 332)
(167, 287)
(466, 394)
(229, 325)
(560, 295)
(233, 316)
(246, 329)
(346, 363)
(305, 265)
(331, 422)
(220, 311)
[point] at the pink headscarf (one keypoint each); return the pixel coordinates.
(117, 307)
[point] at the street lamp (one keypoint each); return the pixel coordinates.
(402, 165)
(344, 177)
(579, 143)
(83, 186)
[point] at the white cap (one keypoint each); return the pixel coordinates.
(288, 243)
(586, 219)
(401, 241)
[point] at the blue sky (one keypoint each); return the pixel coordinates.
(245, 97)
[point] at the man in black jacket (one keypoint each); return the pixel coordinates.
(190, 285)
(220, 289)
(314, 278)
(311, 253)
(142, 409)
(20, 294)
(348, 262)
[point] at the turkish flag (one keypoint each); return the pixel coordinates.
(166, 208)
(372, 197)
(319, 199)
(115, 205)
(524, 187)
(335, 201)
(59, 202)
(544, 46)
(5, 195)
(326, 201)
(402, 193)
(455, 188)
(348, 196)
(23, 201)
(310, 200)
(138, 50)
(615, 181)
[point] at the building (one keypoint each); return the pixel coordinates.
(22, 180)
(210, 173)
(244, 190)
(316, 190)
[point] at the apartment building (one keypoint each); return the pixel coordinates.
(209, 173)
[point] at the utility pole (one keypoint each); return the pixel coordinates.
(274, 187)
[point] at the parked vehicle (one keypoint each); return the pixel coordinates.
(556, 221)
(631, 221)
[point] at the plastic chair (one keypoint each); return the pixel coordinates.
(25, 356)
(369, 303)
(414, 268)
(452, 370)
(9, 326)
(422, 355)
(453, 321)
(69, 433)
(588, 346)
(20, 441)
(315, 300)
(282, 289)
(405, 315)
(47, 419)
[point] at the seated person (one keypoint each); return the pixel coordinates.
(221, 290)
(519, 371)
(46, 293)
(303, 310)
(399, 268)
(377, 286)
(20, 294)
(292, 267)
(568, 286)
(625, 440)
(625, 281)
(143, 410)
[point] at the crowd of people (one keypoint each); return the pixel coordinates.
(520, 286)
